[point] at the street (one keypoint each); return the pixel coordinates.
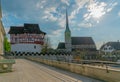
(28, 71)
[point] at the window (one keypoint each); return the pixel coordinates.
(110, 48)
(34, 47)
(105, 48)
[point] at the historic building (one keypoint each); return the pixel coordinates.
(110, 51)
(75, 43)
(110, 47)
(2, 33)
(27, 38)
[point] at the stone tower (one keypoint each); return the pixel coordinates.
(67, 35)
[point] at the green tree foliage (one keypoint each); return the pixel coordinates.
(47, 45)
(7, 46)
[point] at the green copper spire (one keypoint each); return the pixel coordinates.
(67, 35)
(67, 22)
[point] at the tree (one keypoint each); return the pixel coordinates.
(7, 46)
(47, 45)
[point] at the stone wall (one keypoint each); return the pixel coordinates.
(2, 34)
(6, 65)
(102, 73)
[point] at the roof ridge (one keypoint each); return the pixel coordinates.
(30, 28)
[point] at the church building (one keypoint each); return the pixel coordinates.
(75, 43)
(27, 38)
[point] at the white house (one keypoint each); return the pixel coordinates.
(110, 47)
(27, 38)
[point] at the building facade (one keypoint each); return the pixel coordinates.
(110, 51)
(2, 33)
(27, 38)
(75, 43)
(110, 47)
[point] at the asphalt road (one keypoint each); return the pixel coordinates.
(28, 71)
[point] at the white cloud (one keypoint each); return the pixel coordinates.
(50, 17)
(76, 10)
(40, 4)
(48, 14)
(60, 18)
(95, 10)
(56, 34)
(79, 5)
(109, 9)
(76, 29)
(73, 14)
(86, 25)
(61, 21)
(50, 9)
(66, 2)
(111, 6)
(114, 4)
(56, 37)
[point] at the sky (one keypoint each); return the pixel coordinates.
(99, 19)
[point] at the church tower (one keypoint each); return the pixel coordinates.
(67, 35)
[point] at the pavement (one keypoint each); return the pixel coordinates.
(28, 71)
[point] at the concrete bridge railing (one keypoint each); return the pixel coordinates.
(102, 73)
(6, 65)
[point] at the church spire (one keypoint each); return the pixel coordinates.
(67, 22)
(67, 35)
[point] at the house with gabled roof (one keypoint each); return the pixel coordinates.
(27, 38)
(110, 46)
